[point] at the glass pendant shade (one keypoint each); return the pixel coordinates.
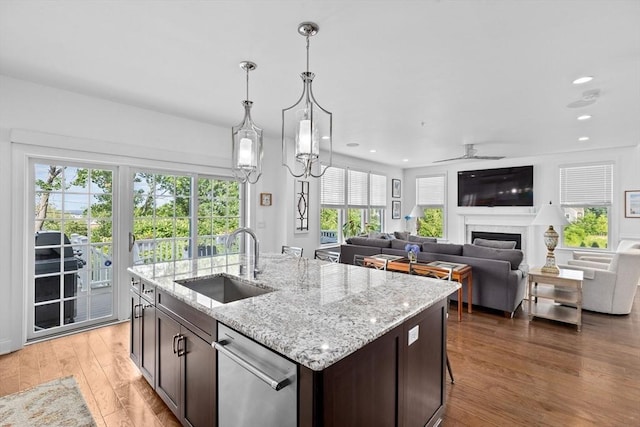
(246, 156)
(306, 127)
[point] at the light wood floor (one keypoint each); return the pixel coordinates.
(508, 372)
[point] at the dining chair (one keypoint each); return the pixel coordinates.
(370, 262)
(292, 250)
(444, 274)
(325, 255)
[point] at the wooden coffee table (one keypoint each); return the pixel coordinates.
(459, 273)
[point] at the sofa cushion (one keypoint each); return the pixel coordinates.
(402, 235)
(400, 244)
(421, 240)
(377, 235)
(514, 256)
(498, 244)
(366, 241)
(442, 248)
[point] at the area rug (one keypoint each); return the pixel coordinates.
(56, 403)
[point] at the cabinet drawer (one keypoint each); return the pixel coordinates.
(200, 323)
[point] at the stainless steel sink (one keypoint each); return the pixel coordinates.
(222, 288)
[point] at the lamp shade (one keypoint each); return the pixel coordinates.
(416, 212)
(550, 215)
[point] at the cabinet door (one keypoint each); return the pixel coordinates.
(424, 365)
(134, 336)
(361, 390)
(168, 372)
(199, 376)
(148, 341)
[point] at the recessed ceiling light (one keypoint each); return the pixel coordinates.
(372, 151)
(352, 144)
(583, 138)
(582, 80)
(584, 117)
(405, 160)
(325, 137)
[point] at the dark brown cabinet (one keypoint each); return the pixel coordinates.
(186, 365)
(143, 334)
(396, 380)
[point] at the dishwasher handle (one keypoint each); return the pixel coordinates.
(273, 383)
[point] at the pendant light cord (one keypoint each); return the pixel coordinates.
(307, 53)
(247, 83)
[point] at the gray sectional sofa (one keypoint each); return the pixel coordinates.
(499, 280)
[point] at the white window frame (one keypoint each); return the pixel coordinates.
(425, 201)
(586, 194)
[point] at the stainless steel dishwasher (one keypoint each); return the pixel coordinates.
(256, 387)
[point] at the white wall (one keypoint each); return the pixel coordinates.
(546, 188)
(38, 115)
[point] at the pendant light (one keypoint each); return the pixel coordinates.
(306, 126)
(246, 156)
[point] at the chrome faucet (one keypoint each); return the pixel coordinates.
(256, 246)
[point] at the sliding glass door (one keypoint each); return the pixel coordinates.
(73, 280)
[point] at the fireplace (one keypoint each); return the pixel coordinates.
(513, 237)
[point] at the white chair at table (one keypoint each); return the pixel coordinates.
(370, 262)
(444, 274)
(292, 250)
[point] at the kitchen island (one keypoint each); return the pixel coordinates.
(369, 345)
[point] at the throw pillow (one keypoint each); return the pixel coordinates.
(514, 256)
(442, 248)
(402, 235)
(498, 244)
(377, 235)
(365, 241)
(420, 239)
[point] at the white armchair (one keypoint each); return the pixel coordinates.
(606, 258)
(610, 288)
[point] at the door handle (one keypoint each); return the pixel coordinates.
(136, 311)
(132, 241)
(181, 349)
(175, 339)
(273, 383)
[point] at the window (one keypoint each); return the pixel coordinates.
(163, 216)
(430, 196)
(352, 199)
(586, 193)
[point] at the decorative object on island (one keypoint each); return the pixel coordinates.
(395, 209)
(396, 187)
(302, 206)
(246, 156)
(412, 252)
(266, 199)
(550, 215)
(632, 204)
(306, 126)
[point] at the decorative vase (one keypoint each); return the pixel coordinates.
(412, 256)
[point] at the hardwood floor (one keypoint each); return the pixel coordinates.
(508, 372)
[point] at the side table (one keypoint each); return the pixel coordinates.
(547, 291)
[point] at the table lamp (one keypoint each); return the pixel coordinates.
(550, 215)
(417, 212)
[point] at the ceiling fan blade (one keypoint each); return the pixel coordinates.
(451, 159)
(487, 157)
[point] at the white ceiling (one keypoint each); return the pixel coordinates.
(410, 79)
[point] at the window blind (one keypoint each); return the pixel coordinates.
(377, 191)
(358, 189)
(588, 185)
(430, 190)
(332, 187)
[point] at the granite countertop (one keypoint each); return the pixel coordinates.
(318, 313)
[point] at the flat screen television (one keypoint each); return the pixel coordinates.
(496, 187)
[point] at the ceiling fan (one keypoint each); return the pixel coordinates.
(588, 97)
(470, 154)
